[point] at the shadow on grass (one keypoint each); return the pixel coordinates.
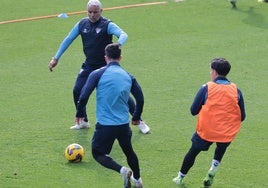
(253, 18)
(89, 164)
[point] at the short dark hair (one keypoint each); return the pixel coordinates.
(221, 66)
(113, 51)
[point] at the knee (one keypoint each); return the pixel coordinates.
(76, 91)
(95, 154)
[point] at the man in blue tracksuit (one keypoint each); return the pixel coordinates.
(96, 32)
(113, 87)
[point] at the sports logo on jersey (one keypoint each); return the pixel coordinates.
(98, 30)
(85, 30)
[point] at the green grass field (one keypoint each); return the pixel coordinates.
(169, 50)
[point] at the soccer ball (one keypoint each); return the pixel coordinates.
(74, 153)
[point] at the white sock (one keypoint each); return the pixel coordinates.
(181, 174)
(214, 165)
(122, 170)
(137, 181)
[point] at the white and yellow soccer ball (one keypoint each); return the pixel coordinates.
(74, 153)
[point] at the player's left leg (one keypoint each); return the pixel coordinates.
(198, 145)
(187, 164)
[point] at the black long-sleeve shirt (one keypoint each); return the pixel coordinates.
(201, 97)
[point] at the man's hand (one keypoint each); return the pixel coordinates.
(52, 64)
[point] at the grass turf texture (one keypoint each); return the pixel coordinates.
(168, 50)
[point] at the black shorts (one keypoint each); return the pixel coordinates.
(104, 137)
(200, 143)
(204, 145)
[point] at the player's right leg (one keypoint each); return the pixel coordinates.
(79, 83)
